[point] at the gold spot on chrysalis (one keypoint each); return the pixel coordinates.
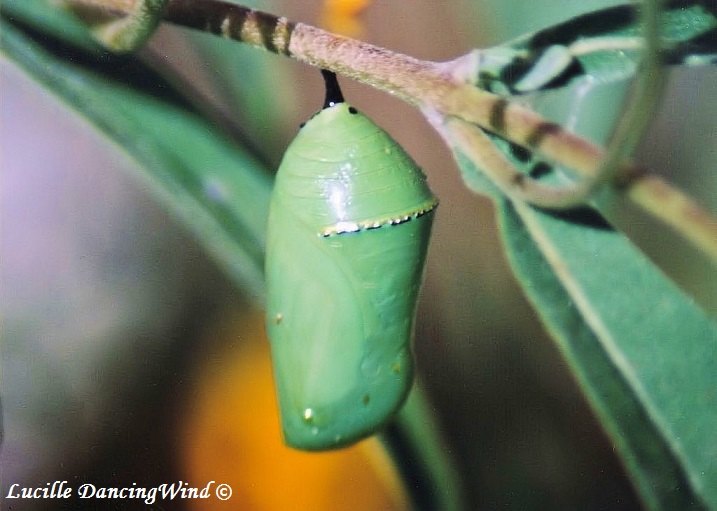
(308, 415)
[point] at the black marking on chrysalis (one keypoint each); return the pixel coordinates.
(333, 91)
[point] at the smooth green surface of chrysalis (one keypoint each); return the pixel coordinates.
(349, 225)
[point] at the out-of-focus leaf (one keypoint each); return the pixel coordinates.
(52, 20)
(213, 186)
(219, 191)
(415, 426)
(642, 351)
(603, 45)
(510, 20)
(253, 85)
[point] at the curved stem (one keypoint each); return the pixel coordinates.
(473, 142)
(120, 25)
(423, 459)
(637, 112)
(431, 86)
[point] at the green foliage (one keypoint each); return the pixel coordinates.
(604, 45)
(643, 352)
(215, 186)
(245, 88)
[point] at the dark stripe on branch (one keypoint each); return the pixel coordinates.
(234, 22)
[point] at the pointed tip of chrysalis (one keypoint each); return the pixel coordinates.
(333, 91)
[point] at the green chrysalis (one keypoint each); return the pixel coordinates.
(349, 224)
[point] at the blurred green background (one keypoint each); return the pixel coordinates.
(113, 314)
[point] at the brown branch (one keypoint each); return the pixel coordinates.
(431, 86)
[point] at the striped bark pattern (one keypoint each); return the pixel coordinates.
(232, 21)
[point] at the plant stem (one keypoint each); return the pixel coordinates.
(431, 86)
(414, 438)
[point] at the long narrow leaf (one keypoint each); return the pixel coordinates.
(643, 352)
(217, 189)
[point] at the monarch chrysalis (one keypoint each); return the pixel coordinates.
(349, 223)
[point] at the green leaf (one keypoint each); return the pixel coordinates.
(415, 426)
(602, 45)
(251, 85)
(215, 187)
(42, 16)
(642, 351)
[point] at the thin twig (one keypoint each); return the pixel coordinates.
(430, 86)
(473, 142)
